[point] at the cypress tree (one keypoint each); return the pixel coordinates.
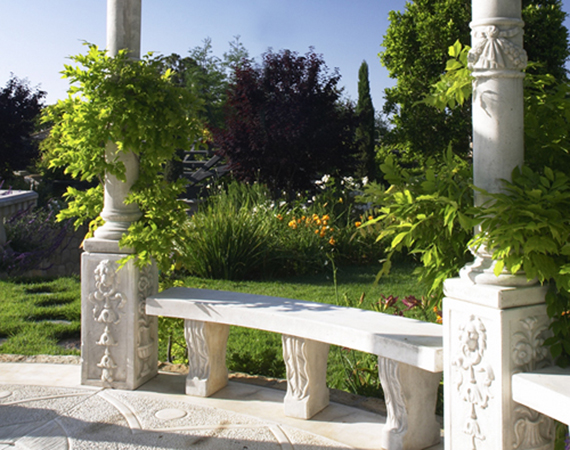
(366, 166)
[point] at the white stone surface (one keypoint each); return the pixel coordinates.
(546, 391)
(306, 363)
(484, 346)
(119, 342)
(405, 340)
(411, 395)
(39, 416)
(10, 203)
(206, 343)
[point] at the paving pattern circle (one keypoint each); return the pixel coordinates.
(170, 414)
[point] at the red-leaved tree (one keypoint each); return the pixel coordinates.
(286, 125)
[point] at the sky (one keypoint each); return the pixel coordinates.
(38, 36)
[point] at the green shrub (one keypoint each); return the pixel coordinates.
(33, 235)
(426, 214)
(230, 237)
(528, 228)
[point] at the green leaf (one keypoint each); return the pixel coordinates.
(399, 237)
(499, 266)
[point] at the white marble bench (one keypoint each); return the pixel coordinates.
(546, 391)
(410, 354)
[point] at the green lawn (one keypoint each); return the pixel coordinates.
(36, 315)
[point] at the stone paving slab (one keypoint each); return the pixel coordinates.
(44, 407)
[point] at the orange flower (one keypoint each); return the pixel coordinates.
(357, 224)
(438, 314)
(332, 241)
(279, 216)
(370, 217)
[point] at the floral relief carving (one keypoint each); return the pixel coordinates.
(145, 342)
(108, 303)
(294, 352)
(494, 50)
(531, 429)
(472, 376)
(397, 417)
(528, 351)
(198, 355)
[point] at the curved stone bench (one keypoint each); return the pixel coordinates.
(410, 354)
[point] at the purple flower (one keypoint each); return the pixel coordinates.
(389, 301)
(411, 302)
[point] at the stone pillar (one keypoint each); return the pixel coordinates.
(493, 326)
(119, 342)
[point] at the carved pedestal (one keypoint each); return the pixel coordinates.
(119, 342)
(206, 342)
(306, 363)
(490, 333)
(411, 395)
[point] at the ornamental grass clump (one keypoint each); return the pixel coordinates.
(230, 236)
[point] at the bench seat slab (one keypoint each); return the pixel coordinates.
(306, 364)
(206, 342)
(411, 396)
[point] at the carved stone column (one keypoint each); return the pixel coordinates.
(119, 342)
(493, 326)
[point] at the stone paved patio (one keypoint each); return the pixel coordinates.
(44, 407)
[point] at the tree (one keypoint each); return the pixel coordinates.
(366, 126)
(546, 37)
(285, 124)
(416, 45)
(208, 76)
(20, 106)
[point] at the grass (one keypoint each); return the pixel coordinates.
(37, 315)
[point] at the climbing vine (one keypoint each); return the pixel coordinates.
(134, 104)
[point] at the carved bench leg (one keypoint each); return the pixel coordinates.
(206, 343)
(411, 396)
(306, 363)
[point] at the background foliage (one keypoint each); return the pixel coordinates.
(285, 124)
(20, 107)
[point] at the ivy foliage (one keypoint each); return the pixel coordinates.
(528, 226)
(134, 104)
(427, 214)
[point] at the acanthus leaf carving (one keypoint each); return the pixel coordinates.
(294, 352)
(397, 417)
(532, 431)
(198, 354)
